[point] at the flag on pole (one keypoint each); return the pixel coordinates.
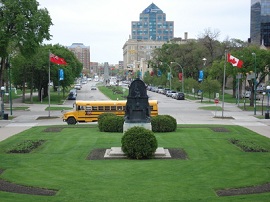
(234, 61)
(57, 60)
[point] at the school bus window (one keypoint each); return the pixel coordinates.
(107, 108)
(94, 108)
(113, 108)
(151, 107)
(100, 108)
(119, 108)
(124, 108)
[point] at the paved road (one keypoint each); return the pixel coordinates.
(185, 112)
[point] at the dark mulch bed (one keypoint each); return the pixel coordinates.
(20, 189)
(245, 190)
(53, 129)
(98, 154)
(219, 129)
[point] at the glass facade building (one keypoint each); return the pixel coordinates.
(152, 25)
(260, 22)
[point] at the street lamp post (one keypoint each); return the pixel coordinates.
(254, 85)
(262, 101)
(2, 103)
(183, 89)
(170, 74)
(268, 95)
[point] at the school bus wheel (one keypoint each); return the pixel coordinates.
(71, 121)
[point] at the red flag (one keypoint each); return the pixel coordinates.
(180, 76)
(57, 60)
(235, 61)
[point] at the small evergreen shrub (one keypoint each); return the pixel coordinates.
(113, 124)
(101, 119)
(139, 143)
(163, 123)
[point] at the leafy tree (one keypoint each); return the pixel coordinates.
(23, 26)
(35, 70)
(254, 58)
(210, 86)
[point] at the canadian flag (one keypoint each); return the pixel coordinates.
(235, 61)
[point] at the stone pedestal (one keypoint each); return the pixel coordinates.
(127, 126)
(117, 153)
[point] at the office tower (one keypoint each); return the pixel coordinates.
(260, 22)
(82, 52)
(152, 25)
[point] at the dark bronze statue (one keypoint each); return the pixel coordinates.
(137, 107)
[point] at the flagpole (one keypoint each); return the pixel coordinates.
(49, 85)
(223, 86)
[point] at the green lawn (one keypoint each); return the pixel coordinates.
(60, 163)
(114, 92)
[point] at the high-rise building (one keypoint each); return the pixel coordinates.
(152, 25)
(82, 52)
(260, 22)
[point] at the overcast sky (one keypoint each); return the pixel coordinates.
(105, 25)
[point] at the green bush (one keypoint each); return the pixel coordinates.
(101, 119)
(139, 143)
(113, 124)
(163, 123)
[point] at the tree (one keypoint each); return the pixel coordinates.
(210, 86)
(35, 70)
(23, 26)
(257, 59)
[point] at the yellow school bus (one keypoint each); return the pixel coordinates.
(88, 111)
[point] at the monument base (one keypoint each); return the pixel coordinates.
(127, 126)
(116, 152)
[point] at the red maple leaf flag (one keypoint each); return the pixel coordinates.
(234, 61)
(57, 60)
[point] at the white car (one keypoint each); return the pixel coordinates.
(78, 86)
(93, 88)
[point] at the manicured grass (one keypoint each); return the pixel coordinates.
(60, 163)
(212, 108)
(58, 108)
(114, 92)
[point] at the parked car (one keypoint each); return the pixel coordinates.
(74, 91)
(246, 94)
(164, 91)
(159, 89)
(180, 96)
(71, 96)
(170, 92)
(174, 94)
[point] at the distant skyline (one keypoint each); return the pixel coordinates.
(105, 25)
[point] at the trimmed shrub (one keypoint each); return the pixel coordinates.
(113, 124)
(163, 123)
(139, 143)
(101, 119)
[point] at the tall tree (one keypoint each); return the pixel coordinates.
(23, 26)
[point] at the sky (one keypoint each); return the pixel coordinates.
(105, 25)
